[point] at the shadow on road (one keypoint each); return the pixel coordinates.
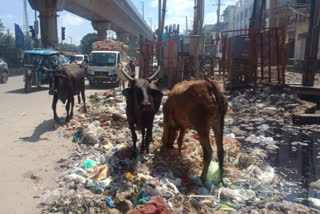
(45, 126)
(21, 90)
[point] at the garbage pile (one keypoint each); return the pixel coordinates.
(102, 176)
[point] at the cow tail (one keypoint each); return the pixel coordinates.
(79, 101)
(215, 92)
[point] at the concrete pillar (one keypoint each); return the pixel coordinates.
(123, 37)
(48, 21)
(48, 25)
(101, 27)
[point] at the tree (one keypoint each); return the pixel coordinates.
(8, 50)
(2, 28)
(71, 47)
(86, 42)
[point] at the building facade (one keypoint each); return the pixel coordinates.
(293, 15)
(228, 17)
(242, 15)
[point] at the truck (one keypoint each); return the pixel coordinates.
(103, 61)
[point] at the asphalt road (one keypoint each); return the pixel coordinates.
(29, 145)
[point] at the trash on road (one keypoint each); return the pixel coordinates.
(102, 175)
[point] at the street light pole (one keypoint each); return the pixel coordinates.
(142, 8)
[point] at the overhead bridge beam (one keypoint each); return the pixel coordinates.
(118, 15)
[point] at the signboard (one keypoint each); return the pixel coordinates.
(19, 36)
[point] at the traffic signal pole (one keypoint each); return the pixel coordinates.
(36, 30)
(63, 36)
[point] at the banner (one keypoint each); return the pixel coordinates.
(19, 36)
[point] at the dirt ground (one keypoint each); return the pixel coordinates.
(30, 148)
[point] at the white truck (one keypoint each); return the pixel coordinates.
(103, 61)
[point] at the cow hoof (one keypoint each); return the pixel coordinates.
(143, 151)
(163, 149)
(57, 120)
(134, 154)
(203, 178)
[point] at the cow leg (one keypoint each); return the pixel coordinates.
(84, 100)
(143, 131)
(218, 134)
(67, 109)
(72, 105)
(54, 108)
(181, 137)
(148, 138)
(165, 136)
(172, 137)
(134, 136)
(207, 153)
(169, 136)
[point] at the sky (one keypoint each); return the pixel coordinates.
(77, 27)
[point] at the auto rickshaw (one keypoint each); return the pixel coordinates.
(38, 65)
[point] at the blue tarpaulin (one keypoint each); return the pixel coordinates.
(19, 36)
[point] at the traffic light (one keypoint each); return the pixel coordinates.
(33, 35)
(63, 29)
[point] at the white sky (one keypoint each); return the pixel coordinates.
(77, 27)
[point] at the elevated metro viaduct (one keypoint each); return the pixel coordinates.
(118, 15)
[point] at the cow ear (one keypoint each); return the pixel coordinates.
(127, 92)
(156, 93)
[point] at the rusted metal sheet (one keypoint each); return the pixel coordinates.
(254, 56)
(176, 56)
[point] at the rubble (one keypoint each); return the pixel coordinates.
(102, 177)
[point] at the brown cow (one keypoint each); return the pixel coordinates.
(198, 105)
(64, 85)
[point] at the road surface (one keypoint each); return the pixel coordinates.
(29, 146)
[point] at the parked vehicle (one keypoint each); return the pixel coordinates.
(79, 58)
(103, 61)
(4, 71)
(34, 62)
(154, 62)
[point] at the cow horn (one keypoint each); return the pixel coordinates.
(126, 75)
(155, 74)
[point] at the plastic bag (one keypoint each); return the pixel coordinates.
(129, 176)
(213, 175)
(88, 164)
(110, 203)
(76, 137)
(101, 174)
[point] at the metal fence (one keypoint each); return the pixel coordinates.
(255, 56)
(246, 57)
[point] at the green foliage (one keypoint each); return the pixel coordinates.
(86, 42)
(71, 48)
(8, 50)
(2, 28)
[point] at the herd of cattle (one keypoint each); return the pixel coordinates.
(199, 105)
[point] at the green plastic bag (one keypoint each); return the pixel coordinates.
(226, 206)
(142, 199)
(89, 164)
(213, 175)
